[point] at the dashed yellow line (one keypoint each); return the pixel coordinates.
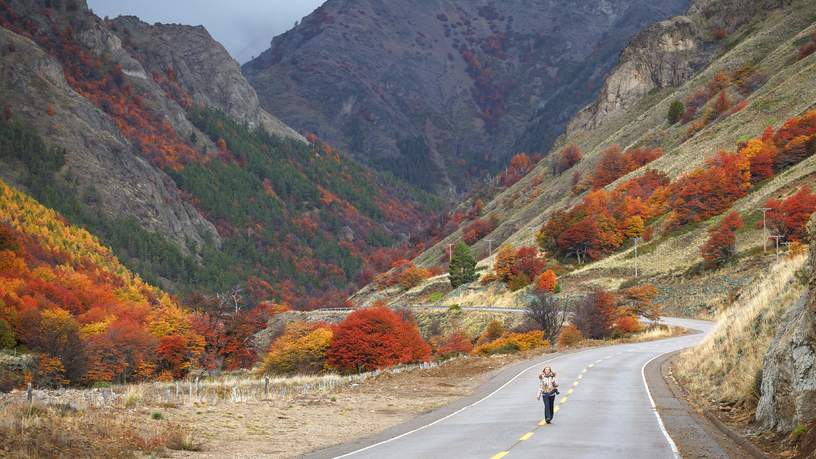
(526, 436)
(580, 376)
(542, 422)
(569, 392)
(590, 365)
(564, 400)
(500, 455)
(583, 371)
(575, 384)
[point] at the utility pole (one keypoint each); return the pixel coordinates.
(764, 229)
(637, 239)
(489, 247)
(777, 237)
(450, 253)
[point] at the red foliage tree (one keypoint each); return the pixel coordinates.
(567, 157)
(595, 314)
(789, 217)
(454, 344)
(375, 338)
(478, 229)
(721, 243)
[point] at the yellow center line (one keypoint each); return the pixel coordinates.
(575, 384)
(584, 370)
(569, 392)
(500, 455)
(526, 436)
(580, 376)
(591, 365)
(542, 422)
(564, 400)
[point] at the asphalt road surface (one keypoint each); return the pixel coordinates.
(604, 410)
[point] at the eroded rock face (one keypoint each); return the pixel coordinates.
(201, 66)
(113, 177)
(788, 392)
(666, 54)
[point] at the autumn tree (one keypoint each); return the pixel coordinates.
(789, 216)
(721, 245)
(455, 343)
(569, 156)
(547, 282)
(595, 314)
(301, 349)
(641, 300)
(478, 229)
(375, 338)
(462, 266)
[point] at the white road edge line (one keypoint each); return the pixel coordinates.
(673, 446)
(389, 440)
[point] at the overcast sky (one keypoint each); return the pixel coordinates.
(244, 27)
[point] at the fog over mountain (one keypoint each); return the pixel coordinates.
(245, 28)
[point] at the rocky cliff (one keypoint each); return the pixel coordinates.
(105, 167)
(788, 391)
(442, 92)
(666, 54)
(200, 65)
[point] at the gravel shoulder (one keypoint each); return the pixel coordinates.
(695, 435)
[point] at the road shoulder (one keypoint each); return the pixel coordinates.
(695, 434)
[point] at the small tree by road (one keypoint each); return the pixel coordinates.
(462, 266)
(548, 314)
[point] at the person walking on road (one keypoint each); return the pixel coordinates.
(547, 391)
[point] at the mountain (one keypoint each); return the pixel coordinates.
(754, 55)
(442, 93)
(150, 137)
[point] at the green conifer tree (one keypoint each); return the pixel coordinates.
(462, 266)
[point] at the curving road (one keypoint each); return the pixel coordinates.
(604, 410)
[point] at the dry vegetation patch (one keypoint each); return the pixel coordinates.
(726, 366)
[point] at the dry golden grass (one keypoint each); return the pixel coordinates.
(724, 366)
(34, 431)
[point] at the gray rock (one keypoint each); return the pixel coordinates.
(202, 67)
(788, 391)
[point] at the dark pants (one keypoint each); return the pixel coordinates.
(549, 402)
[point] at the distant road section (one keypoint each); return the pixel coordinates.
(605, 410)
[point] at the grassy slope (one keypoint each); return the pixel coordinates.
(770, 43)
(725, 366)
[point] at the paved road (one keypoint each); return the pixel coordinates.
(604, 410)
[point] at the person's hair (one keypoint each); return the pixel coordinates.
(548, 370)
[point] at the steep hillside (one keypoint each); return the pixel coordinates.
(157, 144)
(441, 93)
(759, 67)
(66, 297)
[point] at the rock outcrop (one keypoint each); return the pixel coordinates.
(103, 164)
(667, 54)
(788, 391)
(440, 93)
(200, 65)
